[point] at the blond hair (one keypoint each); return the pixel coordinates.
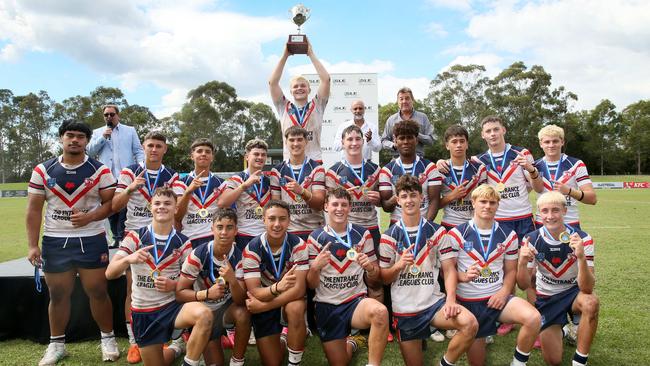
(551, 198)
(299, 78)
(551, 131)
(485, 191)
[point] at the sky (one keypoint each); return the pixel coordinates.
(158, 50)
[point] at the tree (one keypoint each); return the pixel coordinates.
(7, 115)
(636, 119)
(602, 127)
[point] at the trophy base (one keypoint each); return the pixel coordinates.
(297, 44)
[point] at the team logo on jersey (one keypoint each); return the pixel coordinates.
(89, 182)
(556, 261)
(448, 180)
(343, 180)
(69, 186)
(422, 178)
(50, 182)
(501, 248)
(540, 256)
(283, 181)
(468, 246)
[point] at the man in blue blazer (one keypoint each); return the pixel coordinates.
(116, 146)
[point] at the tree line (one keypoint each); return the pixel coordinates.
(608, 140)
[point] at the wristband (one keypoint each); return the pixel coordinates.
(582, 195)
(207, 293)
(569, 194)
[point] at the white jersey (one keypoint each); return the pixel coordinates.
(514, 202)
(195, 226)
(310, 117)
(67, 188)
(413, 293)
(427, 173)
(202, 267)
(249, 221)
(490, 256)
(461, 210)
(571, 172)
(311, 176)
(557, 266)
(341, 280)
(260, 262)
(144, 296)
(357, 181)
(137, 211)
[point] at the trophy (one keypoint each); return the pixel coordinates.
(297, 43)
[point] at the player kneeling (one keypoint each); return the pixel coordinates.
(275, 264)
(564, 259)
(155, 254)
(342, 260)
(411, 253)
(487, 269)
(215, 269)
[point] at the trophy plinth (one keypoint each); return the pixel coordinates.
(297, 43)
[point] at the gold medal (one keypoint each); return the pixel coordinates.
(221, 280)
(155, 273)
(352, 254)
(500, 187)
(414, 269)
(298, 198)
(259, 211)
(148, 207)
(364, 191)
(203, 213)
(486, 272)
(565, 237)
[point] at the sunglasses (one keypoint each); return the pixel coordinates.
(109, 114)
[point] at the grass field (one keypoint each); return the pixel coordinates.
(618, 223)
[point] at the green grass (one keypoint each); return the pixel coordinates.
(618, 223)
(10, 186)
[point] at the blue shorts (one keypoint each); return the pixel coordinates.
(154, 327)
(64, 254)
(488, 318)
(217, 319)
(554, 309)
(521, 227)
(335, 321)
(241, 241)
(198, 241)
(418, 325)
(267, 323)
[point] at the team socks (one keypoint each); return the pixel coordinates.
(520, 358)
(236, 362)
(188, 362)
(295, 357)
(444, 362)
(110, 334)
(579, 359)
(59, 340)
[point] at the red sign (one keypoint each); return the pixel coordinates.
(636, 184)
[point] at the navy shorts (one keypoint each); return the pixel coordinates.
(198, 241)
(64, 254)
(154, 327)
(521, 227)
(218, 321)
(416, 326)
(488, 318)
(267, 323)
(554, 309)
(241, 241)
(335, 321)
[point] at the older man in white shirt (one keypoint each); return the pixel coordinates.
(373, 143)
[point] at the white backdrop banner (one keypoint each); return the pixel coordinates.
(345, 89)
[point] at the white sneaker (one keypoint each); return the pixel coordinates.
(178, 346)
(110, 350)
(489, 339)
(251, 339)
(571, 331)
(54, 353)
(437, 336)
(450, 333)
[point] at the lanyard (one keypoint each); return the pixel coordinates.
(557, 171)
(452, 172)
(203, 193)
(300, 113)
(157, 259)
(415, 250)
(302, 169)
(277, 270)
(503, 161)
(347, 243)
(151, 188)
(258, 189)
(211, 254)
(399, 161)
(484, 253)
(345, 162)
(548, 234)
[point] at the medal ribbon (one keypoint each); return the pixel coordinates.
(277, 270)
(157, 259)
(415, 249)
(302, 169)
(300, 113)
(348, 243)
(503, 161)
(203, 193)
(345, 162)
(151, 188)
(452, 172)
(548, 234)
(211, 254)
(557, 171)
(259, 189)
(484, 253)
(399, 161)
